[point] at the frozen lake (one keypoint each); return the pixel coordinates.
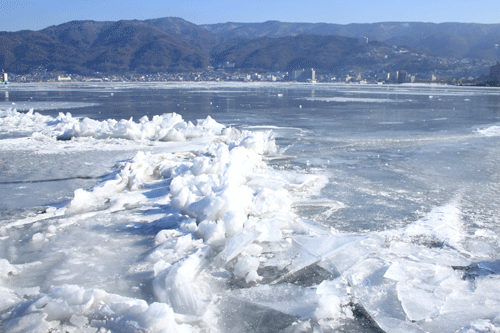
(249, 207)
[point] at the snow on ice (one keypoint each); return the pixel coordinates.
(227, 241)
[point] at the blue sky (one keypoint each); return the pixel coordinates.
(38, 14)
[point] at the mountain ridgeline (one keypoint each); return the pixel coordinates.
(109, 47)
(175, 45)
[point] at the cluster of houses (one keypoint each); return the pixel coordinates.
(301, 75)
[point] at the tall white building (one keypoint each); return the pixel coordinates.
(304, 75)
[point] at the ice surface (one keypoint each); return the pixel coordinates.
(219, 188)
(418, 303)
(41, 106)
(352, 99)
(311, 250)
(285, 298)
(208, 227)
(425, 254)
(442, 224)
(408, 270)
(382, 305)
(235, 245)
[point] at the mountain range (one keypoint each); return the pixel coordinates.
(175, 45)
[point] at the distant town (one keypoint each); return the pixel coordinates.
(228, 73)
(446, 70)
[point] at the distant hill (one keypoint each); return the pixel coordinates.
(110, 47)
(186, 31)
(175, 45)
(456, 40)
(324, 53)
(302, 51)
(25, 50)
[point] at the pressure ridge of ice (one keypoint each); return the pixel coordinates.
(166, 127)
(234, 244)
(491, 131)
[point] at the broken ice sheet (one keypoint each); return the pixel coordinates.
(383, 307)
(179, 287)
(442, 223)
(459, 321)
(437, 299)
(444, 256)
(355, 252)
(325, 246)
(408, 270)
(377, 295)
(481, 325)
(235, 245)
(483, 292)
(418, 303)
(306, 251)
(297, 258)
(369, 272)
(8, 298)
(238, 316)
(491, 267)
(286, 298)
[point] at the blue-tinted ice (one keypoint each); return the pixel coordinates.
(221, 207)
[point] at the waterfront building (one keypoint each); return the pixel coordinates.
(495, 74)
(304, 75)
(4, 78)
